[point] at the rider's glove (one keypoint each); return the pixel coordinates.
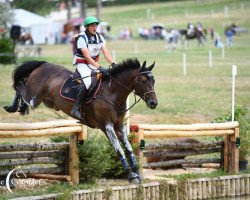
(103, 71)
(113, 65)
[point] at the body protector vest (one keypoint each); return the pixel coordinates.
(94, 45)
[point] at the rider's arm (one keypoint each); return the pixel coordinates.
(90, 60)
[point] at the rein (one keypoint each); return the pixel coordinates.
(130, 90)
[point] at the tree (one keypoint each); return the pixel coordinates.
(83, 8)
(41, 7)
(98, 9)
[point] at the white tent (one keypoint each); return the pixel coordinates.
(42, 29)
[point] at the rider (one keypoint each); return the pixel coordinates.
(190, 30)
(89, 43)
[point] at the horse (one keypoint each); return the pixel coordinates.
(37, 82)
(200, 36)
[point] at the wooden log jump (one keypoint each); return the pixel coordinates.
(55, 153)
(229, 130)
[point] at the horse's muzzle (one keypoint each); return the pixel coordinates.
(150, 99)
(152, 104)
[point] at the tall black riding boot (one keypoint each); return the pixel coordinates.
(79, 101)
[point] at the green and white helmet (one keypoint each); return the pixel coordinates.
(90, 20)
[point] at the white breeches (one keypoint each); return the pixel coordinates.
(85, 71)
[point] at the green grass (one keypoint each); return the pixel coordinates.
(200, 96)
(52, 188)
(219, 172)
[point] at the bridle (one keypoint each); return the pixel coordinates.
(143, 96)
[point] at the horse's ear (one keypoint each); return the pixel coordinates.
(151, 66)
(143, 65)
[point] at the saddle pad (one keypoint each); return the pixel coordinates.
(69, 89)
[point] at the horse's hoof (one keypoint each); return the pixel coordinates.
(10, 109)
(134, 178)
(135, 181)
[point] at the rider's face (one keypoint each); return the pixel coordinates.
(92, 28)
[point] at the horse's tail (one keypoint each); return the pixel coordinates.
(24, 70)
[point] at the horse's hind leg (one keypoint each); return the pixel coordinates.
(24, 108)
(14, 106)
(132, 177)
(128, 147)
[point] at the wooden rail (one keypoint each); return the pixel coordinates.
(229, 130)
(43, 153)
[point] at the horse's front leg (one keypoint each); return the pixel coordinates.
(110, 133)
(129, 149)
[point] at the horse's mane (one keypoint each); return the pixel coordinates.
(23, 71)
(131, 63)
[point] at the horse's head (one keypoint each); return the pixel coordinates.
(144, 85)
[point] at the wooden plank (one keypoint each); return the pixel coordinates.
(247, 185)
(178, 162)
(199, 190)
(39, 125)
(37, 170)
(73, 160)
(229, 177)
(34, 147)
(41, 133)
(214, 190)
(191, 127)
(223, 188)
(203, 165)
(209, 189)
(170, 154)
(32, 154)
(235, 151)
(173, 134)
(232, 189)
(204, 189)
(218, 188)
(237, 187)
(178, 145)
(51, 177)
(32, 161)
(194, 190)
(226, 153)
(242, 187)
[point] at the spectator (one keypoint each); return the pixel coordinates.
(211, 33)
(229, 35)
(217, 42)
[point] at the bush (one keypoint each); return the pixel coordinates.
(94, 158)
(239, 115)
(97, 157)
(6, 47)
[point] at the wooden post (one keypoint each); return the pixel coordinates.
(83, 134)
(73, 159)
(226, 153)
(235, 151)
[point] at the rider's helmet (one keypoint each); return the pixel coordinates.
(90, 20)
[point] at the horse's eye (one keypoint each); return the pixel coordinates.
(143, 79)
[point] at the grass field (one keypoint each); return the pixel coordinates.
(200, 96)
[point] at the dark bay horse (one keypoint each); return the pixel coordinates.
(38, 82)
(200, 36)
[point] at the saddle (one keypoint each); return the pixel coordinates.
(71, 84)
